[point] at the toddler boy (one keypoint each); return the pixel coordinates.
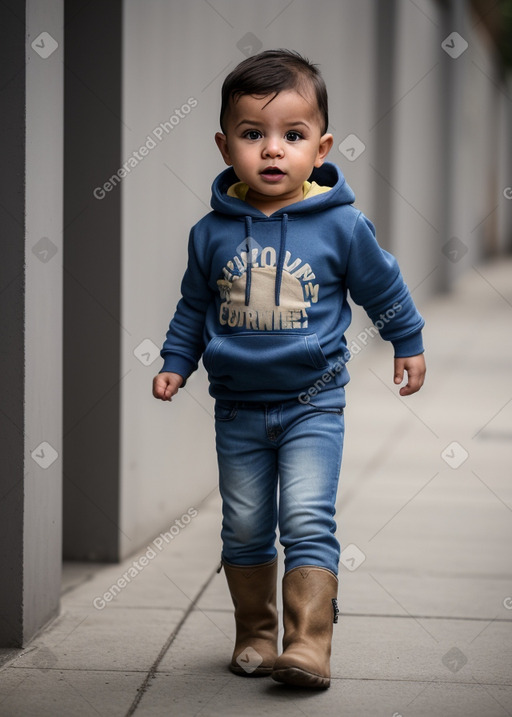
(264, 302)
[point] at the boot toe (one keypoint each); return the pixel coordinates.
(299, 677)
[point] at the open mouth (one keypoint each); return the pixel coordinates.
(272, 173)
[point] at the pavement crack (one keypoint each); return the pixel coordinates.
(151, 673)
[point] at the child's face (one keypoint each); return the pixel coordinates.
(273, 146)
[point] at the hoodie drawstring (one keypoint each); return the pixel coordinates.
(248, 230)
(280, 260)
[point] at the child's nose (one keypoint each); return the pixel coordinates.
(273, 148)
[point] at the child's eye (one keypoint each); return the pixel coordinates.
(252, 134)
(293, 136)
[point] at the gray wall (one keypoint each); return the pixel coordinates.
(31, 294)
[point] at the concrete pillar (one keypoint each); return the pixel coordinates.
(30, 316)
(454, 20)
(385, 50)
(92, 274)
(505, 167)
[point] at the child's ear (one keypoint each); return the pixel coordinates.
(222, 143)
(324, 147)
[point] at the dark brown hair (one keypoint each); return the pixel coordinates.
(270, 72)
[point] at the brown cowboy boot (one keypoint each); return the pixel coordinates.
(253, 591)
(309, 610)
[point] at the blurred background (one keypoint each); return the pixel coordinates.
(108, 116)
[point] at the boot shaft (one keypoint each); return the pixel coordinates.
(253, 591)
(309, 611)
(309, 604)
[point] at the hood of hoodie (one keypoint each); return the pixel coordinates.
(328, 175)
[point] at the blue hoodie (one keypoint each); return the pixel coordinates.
(264, 298)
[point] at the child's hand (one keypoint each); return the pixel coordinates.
(416, 369)
(166, 385)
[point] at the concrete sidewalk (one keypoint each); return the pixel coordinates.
(425, 522)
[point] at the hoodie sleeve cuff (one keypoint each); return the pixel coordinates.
(176, 363)
(409, 346)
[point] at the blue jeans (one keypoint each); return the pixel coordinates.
(291, 446)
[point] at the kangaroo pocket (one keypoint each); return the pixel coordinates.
(252, 362)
